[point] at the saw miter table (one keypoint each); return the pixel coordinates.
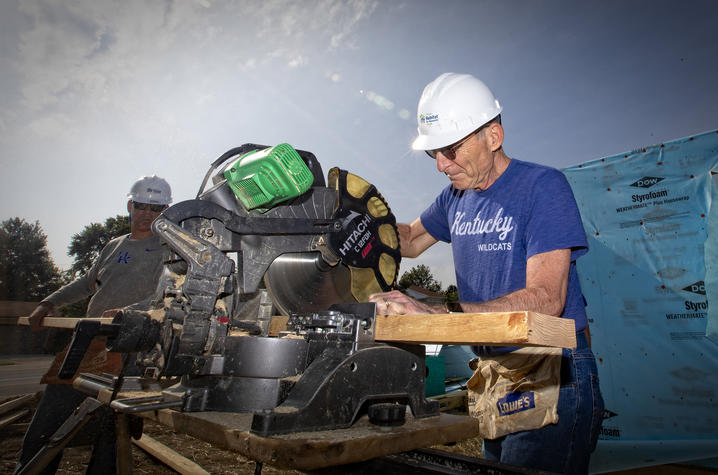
(328, 383)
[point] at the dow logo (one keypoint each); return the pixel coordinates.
(647, 182)
(697, 288)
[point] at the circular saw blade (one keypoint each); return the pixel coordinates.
(302, 282)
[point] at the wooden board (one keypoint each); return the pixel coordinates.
(277, 324)
(19, 401)
(61, 322)
(313, 450)
(9, 419)
(520, 328)
(454, 400)
(169, 457)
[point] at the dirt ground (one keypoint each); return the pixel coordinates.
(213, 460)
(75, 459)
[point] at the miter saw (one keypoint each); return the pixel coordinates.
(271, 236)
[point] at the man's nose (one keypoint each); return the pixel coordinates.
(442, 162)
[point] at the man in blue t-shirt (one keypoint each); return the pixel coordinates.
(515, 233)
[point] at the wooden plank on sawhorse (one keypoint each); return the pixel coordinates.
(61, 322)
(312, 450)
(521, 328)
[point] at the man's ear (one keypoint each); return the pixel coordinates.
(129, 206)
(495, 136)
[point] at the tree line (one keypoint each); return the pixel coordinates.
(28, 273)
(421, 276)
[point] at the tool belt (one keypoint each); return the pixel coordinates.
(515, 391)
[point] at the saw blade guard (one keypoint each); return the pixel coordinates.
(355, 261)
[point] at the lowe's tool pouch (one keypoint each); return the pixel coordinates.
(515, 391)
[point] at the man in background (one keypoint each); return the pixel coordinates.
(125, 272)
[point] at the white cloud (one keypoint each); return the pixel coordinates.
(342, 19)
(89, 51)
(51, 126)
(137, 87)
(298, 61)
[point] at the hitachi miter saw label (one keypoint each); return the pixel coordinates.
(356, 238)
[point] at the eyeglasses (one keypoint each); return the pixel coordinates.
(143, 206)
(450, 151)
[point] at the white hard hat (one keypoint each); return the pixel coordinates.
(152, 190)
(451, 107)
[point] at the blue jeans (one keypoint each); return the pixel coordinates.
(564, 447)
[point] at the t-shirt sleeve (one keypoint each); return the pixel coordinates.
(554, 222)
(434, 218)
(85, 285)
(73, 292)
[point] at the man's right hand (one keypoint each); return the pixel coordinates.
(40, 312)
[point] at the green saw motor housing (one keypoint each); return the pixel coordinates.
(263, 178)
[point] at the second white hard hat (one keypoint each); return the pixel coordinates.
(152, 190)
(451, 107)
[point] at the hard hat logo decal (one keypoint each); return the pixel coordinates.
(428, 119)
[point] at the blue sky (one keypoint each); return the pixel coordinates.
(94, 94)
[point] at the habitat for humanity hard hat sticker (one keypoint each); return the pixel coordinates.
(428, 119)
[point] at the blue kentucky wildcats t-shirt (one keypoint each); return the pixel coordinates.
(530, 209)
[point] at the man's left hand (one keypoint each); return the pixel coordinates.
(398, 303)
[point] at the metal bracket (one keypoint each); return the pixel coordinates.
(143, 404)
(207, 266)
